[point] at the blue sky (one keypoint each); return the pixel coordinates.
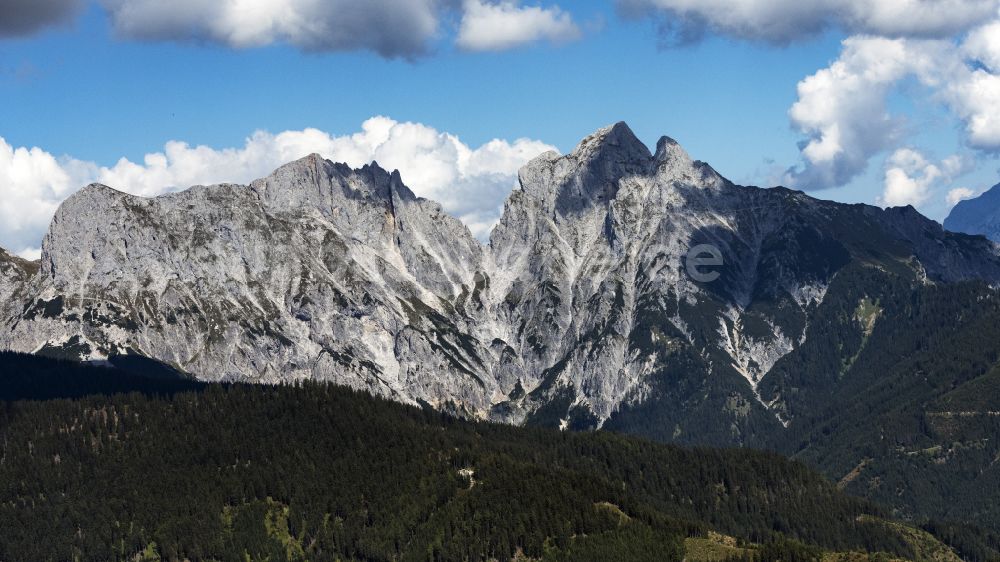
(87, 91)
(707, 95)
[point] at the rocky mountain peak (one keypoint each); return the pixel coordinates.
(14, 276)
(98, 189)
(90, 199)
(318, 183)
(608, 155)
(616, 142)
(588, 178)
(13, 267)
(669, 149)
(980, 215)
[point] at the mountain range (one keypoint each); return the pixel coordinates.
(622, 289)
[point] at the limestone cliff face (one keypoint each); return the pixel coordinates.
(582, 306)
(592, 291)
(14, 276)
(317, 271)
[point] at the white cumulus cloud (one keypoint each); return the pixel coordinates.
(505, 25)
(983, 45)
(469, 182)
(974, 96)
(842, 109)
(959, 194)
(908, 179)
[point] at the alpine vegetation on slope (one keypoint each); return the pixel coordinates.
(894, 395)
(583, 311)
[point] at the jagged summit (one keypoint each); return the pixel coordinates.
(619, 143)
(614, 141)
(100, 188)
(588, 177)
(15, 273)
(609, 154)
(91, 199)
(323, 184)
(668, 149)
(311, 180)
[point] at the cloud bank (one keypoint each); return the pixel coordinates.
(842, 109)
(784, 21)
(391, 28)
(910, 177)
(471, 183)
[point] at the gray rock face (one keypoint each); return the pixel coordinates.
(591, 284)
(317, 271)
(583, 297)
(14, 276)
(977, 216)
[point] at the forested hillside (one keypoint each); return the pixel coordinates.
(893, 393)
(908, 411)
(159, 469)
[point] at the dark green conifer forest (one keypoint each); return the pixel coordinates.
(99, 464)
